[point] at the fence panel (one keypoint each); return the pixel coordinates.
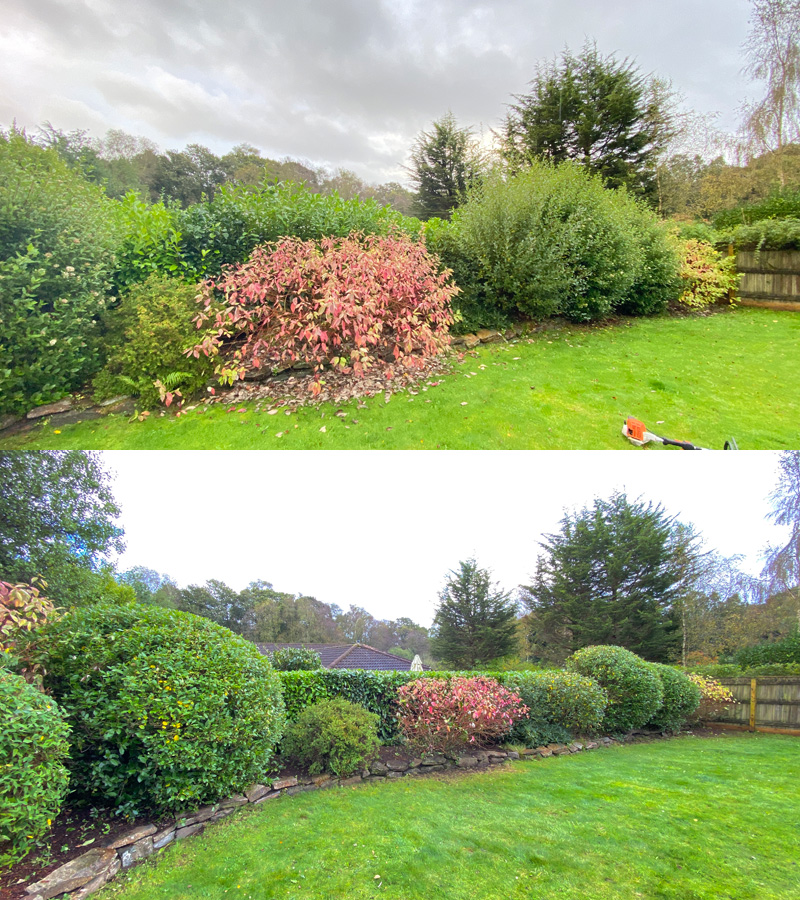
(768, 702)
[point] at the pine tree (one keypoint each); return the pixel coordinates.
(445, 162)
(475, 621)
(610, 576)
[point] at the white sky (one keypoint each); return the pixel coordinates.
(347, 83)
(381, 529)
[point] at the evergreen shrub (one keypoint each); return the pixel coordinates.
(57, 244)
(552, 240)
(33, 778)
(681, 698)
(167, 709)
(148, 334)
(294, 659)
(560, 704)
(634, 691)
(334, 736)
(375, 691)
(785, 651)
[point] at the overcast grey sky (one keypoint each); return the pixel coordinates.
(381, 529)
(343, 83)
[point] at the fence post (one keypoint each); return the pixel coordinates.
(753, 684)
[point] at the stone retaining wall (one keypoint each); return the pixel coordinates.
(88, 873)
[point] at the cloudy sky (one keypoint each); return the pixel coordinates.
(344, 83)
(382, 529)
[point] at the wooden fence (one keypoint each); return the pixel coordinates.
(766, 703)
(770, 278)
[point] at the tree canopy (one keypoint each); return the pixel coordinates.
(597, 110)
(611, 575)
(475, 621)
(57, 521)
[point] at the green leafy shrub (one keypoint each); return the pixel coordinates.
(657, 279)
(167, 709)
(350, 304)
(552, 240)
(57, 245)
(471, 307)
(681, 698)
(634, 690)
(199, 241)
(445, 715)
(226, 229)
(560, 704)
(708, 276)
(375, 691)
(334, 736)
(778, 206)
(149, 332)
(294, 659)
(782, 652)
(770, 234)
(33, 778)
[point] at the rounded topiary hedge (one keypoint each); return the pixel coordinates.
(560, 704)
(167, 709)
(634, 690)
(681, 698)
(33, 778)
(334, 736)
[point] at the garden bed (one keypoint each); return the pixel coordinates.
(76, 832)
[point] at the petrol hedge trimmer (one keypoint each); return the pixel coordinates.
(636, 432)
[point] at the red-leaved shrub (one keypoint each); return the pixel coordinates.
(349, 303)
(450, 714)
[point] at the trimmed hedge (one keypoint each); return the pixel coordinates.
(784, 652)
(334, 736)
(33, 778)
(167, 709)
(560, 704)
(375, 691)
(635, 693)
(681, 698)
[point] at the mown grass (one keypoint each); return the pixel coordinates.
(704, 379)
(688, 819)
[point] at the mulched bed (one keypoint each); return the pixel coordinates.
(75, 831)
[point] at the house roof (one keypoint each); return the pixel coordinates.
(349, 656)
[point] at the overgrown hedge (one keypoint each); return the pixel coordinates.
(552, 240)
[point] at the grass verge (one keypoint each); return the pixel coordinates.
(704, 379)
(688, 819)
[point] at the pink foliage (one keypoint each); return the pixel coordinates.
(349, 303)
(449, 714)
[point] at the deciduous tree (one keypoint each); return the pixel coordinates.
(57, 521)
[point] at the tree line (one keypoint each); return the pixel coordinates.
(618, 571)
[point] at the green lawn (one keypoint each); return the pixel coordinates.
(688, 819)
(704, 379)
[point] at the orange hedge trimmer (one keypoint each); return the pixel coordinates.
(636, 432)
